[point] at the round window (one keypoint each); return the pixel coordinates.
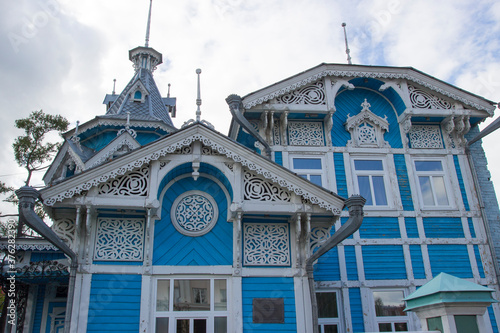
(194, 213)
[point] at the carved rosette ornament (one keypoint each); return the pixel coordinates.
(366, 128)
(194, 213)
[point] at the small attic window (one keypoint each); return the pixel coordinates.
(138, 95)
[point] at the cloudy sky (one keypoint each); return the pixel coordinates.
(62, 56)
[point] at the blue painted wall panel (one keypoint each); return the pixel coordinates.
(338, 160)
(268, 287)
(417, 262)
(384, 262)
(358, 324)
(493, 320)
(403, 182)
(471, 227)
(50, 310)
(380, 227)
(451, 259)
(278, 157)
(411, 227)
(327, 268)
(172, 248)
(41, 256)
(115, 301)
(37, 321)
(461, 182)
(350, 262)
(479, 261)
(443, 227)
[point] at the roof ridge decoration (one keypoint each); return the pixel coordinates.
(164, 149)
(198, 110)
(376, 75)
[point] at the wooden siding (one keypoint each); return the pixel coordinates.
(268, 287)
(443, 227)
(380, 227)
(338, 160)
(384, 262)
(115, 301)
(172, 248)
(41, 256)
(411, 227)
(494, 325)
(328, 268)
(471, 227)
(278, 157)
(417, 262)
(451, 259)
(356, 310)
(461, 182)
(40, 298)
(477, 254)
(403, 182)
(350, 263)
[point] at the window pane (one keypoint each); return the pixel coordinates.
(330, 329)
(307, 163)
(162, 295)
(316, 179)
(191, 295)
(384, 327)
(389, 303)
(425, 187)
(428, 166)
(440, 189)
(364, 189)
(220, 324)
(161, 325)
(379, 190)
(401, 327)
(220, 296)
(368, 165)
(182, 325)
(327, 305)
(200, 326)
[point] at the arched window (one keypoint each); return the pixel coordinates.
(138, 95)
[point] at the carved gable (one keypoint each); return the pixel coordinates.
(366, 128)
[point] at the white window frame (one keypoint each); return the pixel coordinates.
(370, 173)
(444, 173)
(332, 321)
(309, 172)
(173, 316)
(389, 319)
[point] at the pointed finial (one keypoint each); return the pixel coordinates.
(198, 99)
(76, 129)
(149, 23)
(114, 85)
(168, 93)
(347, 51)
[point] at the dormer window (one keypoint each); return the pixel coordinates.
(138, 96)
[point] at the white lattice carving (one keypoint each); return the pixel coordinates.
(65, 229)
(319, 235)
(134, 183)
(425, 136)
(310, 94)
(165, 149)
(305, 133)
(183, 151)
(208, 151)
(276, 132)
(194, 213)
(366, 128)
(266, 244)
(256, 188)
(421, 99)
(119, 239)
(366, 74)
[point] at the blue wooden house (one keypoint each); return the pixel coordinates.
(190, 230)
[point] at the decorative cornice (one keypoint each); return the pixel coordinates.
(300, 188)
(33, 247)
(367, 74)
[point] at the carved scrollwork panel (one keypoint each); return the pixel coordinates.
(319, 235)
(311, 94)
(119, 239)
(134, 183)
(425, 136)
(65, 229)
(266, 244)
(258, 189)
(305, 133)
(421, 99)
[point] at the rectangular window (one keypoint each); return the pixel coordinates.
(432, 183)
(309, 168)
(370, 178)
(191, 305)
(328, 312)
(389, 313)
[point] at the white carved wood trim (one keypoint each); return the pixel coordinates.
(421, 99)
(119, 239)
(132, 184)
(425, 136)
(312, 94)
(258, 189)
(65, 229)
(305, 133)
(266, 244)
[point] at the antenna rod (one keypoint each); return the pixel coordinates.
(149, 23)
(114, 85)
(347, 51)
(198, 100)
